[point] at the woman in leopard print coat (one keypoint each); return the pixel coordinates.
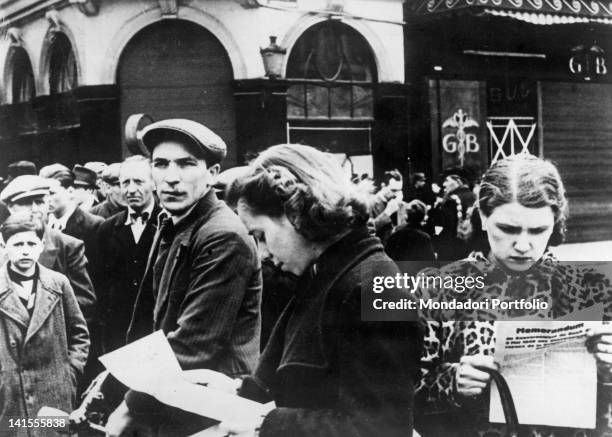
(523, 208)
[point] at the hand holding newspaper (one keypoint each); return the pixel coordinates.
(149, 366)
(551, 375)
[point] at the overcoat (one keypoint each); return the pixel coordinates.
(42, 356)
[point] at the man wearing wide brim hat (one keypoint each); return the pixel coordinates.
(202, 285)
(98, 167)
(84, 187)
(29, 194)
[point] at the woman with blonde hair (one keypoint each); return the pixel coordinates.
(523, 207)
(328, 372)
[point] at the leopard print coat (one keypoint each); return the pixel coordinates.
(439, 411)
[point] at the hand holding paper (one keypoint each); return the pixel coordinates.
(212, 379)
(149, 366)
(599, 343)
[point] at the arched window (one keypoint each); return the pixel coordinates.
(332, 71)
(21, 77)
(62, 65)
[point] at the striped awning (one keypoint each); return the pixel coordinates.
(532, 11)
(546, 19)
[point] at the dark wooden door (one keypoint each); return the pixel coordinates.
(577, 136)
(177, 69)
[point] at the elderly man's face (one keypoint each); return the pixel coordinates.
(137, 184)
(180, 177)
(37, 207)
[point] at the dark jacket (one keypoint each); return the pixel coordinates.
(446, 215)
(122, 263)
(329, 373)
(208, 298)
(41, 356)
(410, 244)
(106, 209)
(84, 226)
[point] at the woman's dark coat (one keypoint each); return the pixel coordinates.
(329, 373)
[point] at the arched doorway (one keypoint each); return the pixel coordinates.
(177, 69)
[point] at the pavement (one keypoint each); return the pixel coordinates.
(592, 251)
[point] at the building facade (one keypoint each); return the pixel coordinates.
(419, 85)
(72, 72)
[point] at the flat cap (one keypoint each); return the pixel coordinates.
(110, 174)
(56, 171)
(84, 177)
(21, 168)
(23, 187)
(207, 142)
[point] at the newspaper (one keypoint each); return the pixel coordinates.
(547, 364)
(149, 366)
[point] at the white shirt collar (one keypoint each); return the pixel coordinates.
(63, 220)
(148, 209)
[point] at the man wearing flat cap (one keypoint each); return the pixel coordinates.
(114, 202)
(29, 194)
(202, 285)
(18, 168)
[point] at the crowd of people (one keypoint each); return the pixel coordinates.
(256, 280)
(432, 224)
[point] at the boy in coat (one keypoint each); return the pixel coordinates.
(44, 340)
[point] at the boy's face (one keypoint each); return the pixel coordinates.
(23, 250)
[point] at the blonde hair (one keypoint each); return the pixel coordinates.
(532, 182)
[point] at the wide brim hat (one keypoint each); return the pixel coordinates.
(84, 177)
